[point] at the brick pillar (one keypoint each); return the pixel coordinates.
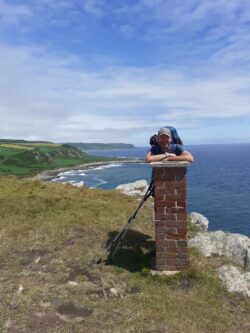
(170, 215)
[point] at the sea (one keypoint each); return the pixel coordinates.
(218, 182)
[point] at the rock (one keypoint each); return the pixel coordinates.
(234, 246)
(138, 187)
(45, 305)
(113, 292)
(72, 283)
(199, 220)
(37, 260)
(234, 280)
(20, 289)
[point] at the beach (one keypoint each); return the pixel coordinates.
(50, 174)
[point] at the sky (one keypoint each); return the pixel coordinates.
(117, 71)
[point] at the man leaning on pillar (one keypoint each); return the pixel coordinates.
(164, 150)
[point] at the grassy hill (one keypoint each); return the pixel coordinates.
(51, 235)
(25, 157)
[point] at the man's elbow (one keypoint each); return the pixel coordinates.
(188, 157)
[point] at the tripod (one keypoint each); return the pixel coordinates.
(117, 241)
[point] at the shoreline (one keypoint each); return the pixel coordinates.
(51, 173)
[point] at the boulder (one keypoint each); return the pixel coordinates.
(138, 187)
(234, 246)
(234, 280)
(199, 220)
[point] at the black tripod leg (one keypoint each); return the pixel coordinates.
(123, 232)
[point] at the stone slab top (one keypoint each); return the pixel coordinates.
(170, 164)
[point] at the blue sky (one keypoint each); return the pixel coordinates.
(116, 71)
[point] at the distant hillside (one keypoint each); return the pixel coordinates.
(99, 146)
(21, 157)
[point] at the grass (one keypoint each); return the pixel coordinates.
(30, 158)
(52, 233)
(15, 146)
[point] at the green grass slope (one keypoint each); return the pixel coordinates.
(24, 157)
(51, 235)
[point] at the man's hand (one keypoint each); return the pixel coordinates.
(170, 155)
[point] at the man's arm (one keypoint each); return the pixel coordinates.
(185, 156)
(154, 158)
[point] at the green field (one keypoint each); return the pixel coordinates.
(24, 158)
(51, 236)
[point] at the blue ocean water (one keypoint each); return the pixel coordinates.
(218, 181)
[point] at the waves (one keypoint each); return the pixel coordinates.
(91, 177)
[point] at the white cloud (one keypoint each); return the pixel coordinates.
(95, 7)
(57, 98)
(11, 14)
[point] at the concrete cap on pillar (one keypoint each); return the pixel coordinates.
(170, 164)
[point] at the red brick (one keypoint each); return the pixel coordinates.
(175, 183)
(159, 172)
(160, 261)
(160, 210)
(159, 196)
(160, 223)
(160, 216)
(159, 235)
(181, 250)
(181, 224)
(181, 243)
(181, 203)
(172, 217)
(171, 255)
(170, 197)
(181, 216)
(174, 210)
(175, 171)
(160, 248)
(162, 242)
(170, 243)
(166, 255)
(159, 184)
(181, 191)
(181, 230)
(176, 236)
(170, 203)
(170, 191)
(160, 203)
(170, 229)
(179, 177)
(171, 249)
(179, 197)
(170, 223)
(181, 255)
(160, 267)
(172, 262)
(160, 190)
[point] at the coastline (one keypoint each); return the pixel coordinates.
(51, 173)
